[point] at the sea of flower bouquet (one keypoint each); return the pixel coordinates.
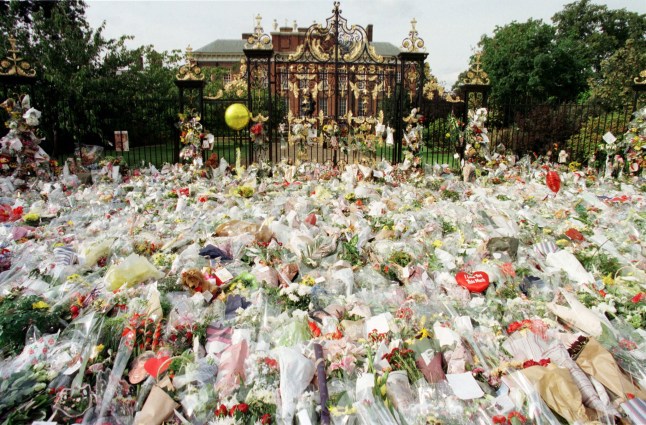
(378, 294)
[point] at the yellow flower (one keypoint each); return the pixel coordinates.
(423, 333)
(39, 305)
(350, 196)
(561, 243)
(437, 243)
(96, 351)
(31, 217)
(308, 281)
(608, 280)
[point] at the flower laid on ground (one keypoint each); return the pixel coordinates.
(237, 295)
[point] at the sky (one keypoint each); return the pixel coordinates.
(450, 29)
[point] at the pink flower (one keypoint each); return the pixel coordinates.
(508, 270)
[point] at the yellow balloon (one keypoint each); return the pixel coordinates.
(237, 116)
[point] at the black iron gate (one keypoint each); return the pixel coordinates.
(340, 100)
(335, 99)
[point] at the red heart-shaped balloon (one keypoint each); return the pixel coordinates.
(157, 365)
(474, 282)
(553, 181)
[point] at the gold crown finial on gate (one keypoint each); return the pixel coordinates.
(476, 75)
(14, 65)
(413, 43)
(641, 80)
(190, 70)
(259, 40)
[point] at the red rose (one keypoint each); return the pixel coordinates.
(242, 408)
(256, 129)
(265, 419)
(314, 329)
(499, 419)
(221, 411)
(271, 362)
(638, 298)
(513, 327)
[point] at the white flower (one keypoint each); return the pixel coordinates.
(11, 143)
(261, 394)
(514, 303)
(299, 314)
(303, 290)
(476, 302)
(604, 308)
(32, 117)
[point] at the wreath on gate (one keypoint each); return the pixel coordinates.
(20, 151)
(258, 135)
(193, 136)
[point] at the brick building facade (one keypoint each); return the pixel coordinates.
(228, 54)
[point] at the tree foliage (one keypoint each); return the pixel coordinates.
(80, 73)
(598, 31)
(614, 89)
(583, 52)
(525, 60)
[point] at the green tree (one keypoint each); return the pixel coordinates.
(82, 76)
(597, 32)
(614, 89)
(525, 60)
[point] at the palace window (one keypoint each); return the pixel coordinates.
(343, 106)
